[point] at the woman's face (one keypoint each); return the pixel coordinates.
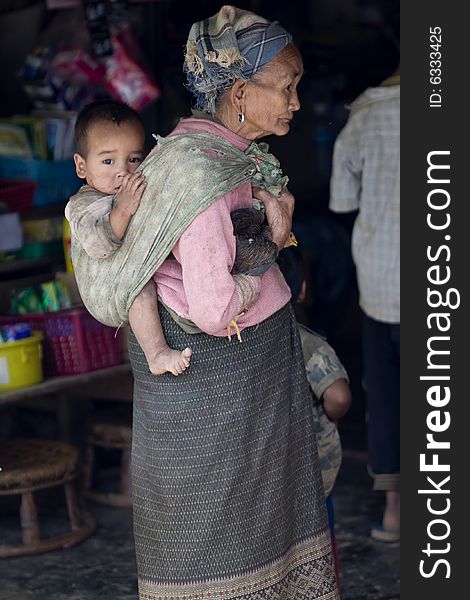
(270, 98)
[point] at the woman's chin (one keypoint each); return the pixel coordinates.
(283, 127)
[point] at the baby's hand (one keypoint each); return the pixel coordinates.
(130, 192)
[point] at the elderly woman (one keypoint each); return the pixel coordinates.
(228, 496)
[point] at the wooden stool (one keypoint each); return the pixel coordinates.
(29, 465)
(109, 429)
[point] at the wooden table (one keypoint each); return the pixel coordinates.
(54, 385)
(113, 383)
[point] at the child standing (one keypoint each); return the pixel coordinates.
(326, 375)
(110, 138)
(328, 382)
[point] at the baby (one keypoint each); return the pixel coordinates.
(109, 139)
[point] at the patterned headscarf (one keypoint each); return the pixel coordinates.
(231, 45)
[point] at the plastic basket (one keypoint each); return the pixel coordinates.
(17, 194)
(74, 342)
(56, 179)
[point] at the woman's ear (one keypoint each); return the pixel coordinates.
(238, 93)
(80, 165)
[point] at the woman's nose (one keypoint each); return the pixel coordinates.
(294, 103)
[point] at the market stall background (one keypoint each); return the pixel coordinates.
(347, 45)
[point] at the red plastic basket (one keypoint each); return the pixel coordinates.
(17, 194)
(74, 342)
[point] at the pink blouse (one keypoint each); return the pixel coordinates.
(197, 283)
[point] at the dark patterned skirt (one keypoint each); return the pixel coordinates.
(228, 495)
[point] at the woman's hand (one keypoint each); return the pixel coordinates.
(279, 214)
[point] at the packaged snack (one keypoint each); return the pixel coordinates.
(15, 332)
(63, 294)
(127, 79)
(55, 296)
(42, 230)
(97, 21)
(50, 297)
(25, 301)
(47, 81)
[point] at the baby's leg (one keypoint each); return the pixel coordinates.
(145, 322)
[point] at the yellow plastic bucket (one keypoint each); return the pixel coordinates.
(67, 241)
(21, 362)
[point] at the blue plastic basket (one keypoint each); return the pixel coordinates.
(56, 179)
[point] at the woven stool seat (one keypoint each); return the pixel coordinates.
(109, 429)
(29, 465)
(35, 463)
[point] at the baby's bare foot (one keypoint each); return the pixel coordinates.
(169, 360)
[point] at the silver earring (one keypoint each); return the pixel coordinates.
(241, 117)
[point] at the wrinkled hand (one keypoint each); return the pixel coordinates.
(130, 193)
(279, 214)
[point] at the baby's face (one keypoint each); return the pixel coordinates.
(112, 152)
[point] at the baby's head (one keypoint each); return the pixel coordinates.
(109, 139)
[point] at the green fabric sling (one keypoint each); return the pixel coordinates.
(184, 176)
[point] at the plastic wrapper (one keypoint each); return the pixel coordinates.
(48, 87)
(63, 294)
(127, 80)
(55, 296)
(50, 298)
(15, 332)
(85, 50)
(98, 28)
(78, 66)
(25, 301)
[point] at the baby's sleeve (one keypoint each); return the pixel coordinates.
(88, 214)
